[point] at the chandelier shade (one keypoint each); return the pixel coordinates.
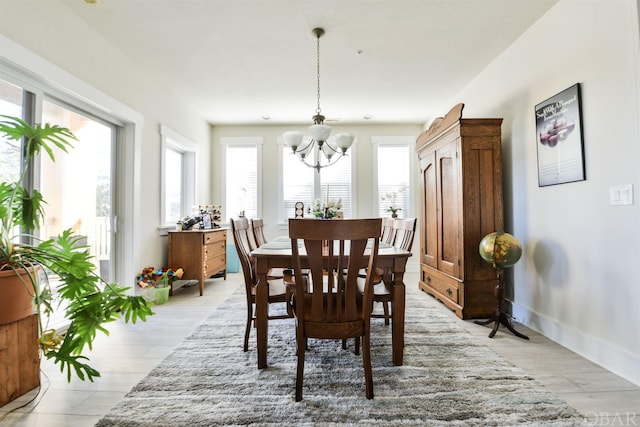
(320, 132)
(318, 152)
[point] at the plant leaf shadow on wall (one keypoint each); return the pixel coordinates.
(551, 263)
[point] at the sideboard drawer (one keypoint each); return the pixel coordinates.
(214, 249)
(215, 265)
(211, 237)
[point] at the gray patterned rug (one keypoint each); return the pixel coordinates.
(448, 379)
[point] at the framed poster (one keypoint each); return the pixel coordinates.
(559, 138)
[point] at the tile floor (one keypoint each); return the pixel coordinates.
(131, 351)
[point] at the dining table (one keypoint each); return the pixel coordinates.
(277, 254)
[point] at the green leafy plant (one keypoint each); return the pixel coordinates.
(89, 301)
(393, 210)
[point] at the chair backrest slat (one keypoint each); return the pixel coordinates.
(386, 234)
(257, 227)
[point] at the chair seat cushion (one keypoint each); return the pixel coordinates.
(378, 288)
(275, 273)
(276, 287)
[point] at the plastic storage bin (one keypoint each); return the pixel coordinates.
(233, 262)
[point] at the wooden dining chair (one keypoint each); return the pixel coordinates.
(257, 228)
(257, 231)
(386, 234)
(327, 302)
(278, 291)
(404, 231)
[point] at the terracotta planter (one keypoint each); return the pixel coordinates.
(16, 296)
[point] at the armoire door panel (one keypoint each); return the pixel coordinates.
(448, 248)
(429, 217)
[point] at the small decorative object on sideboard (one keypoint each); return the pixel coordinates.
(204, 217)
(501, 250)
(215, 212)
(189, 222)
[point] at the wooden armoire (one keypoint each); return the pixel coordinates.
(460, 203)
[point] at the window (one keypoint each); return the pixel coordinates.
(46, 80)
(301, 183)
(177, 188)
(11, 104)
(243, 189)
(392, 161)
(87, 169)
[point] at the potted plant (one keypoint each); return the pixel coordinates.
(394, 211)
(391, 198)
(89, 302)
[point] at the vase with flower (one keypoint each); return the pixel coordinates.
(391, 198)
(326, 209)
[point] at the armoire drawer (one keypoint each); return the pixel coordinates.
(448, 287)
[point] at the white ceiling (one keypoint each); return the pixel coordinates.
(235, 61)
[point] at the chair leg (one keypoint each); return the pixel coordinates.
(385, 305)
(356, 342)
(300, 372)
(366, 361)
(248, 327)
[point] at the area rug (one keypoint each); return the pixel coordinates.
(448, 379)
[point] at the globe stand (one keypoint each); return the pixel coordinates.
(500, 317)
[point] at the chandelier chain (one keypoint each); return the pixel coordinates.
(318, 110)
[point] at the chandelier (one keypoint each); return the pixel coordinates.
(322, 152)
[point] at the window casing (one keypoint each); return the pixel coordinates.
(178, 177)
(242, 189)
(392, 166)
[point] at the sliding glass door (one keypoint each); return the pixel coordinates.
(78, 186)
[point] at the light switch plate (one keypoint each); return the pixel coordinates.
(621, 194)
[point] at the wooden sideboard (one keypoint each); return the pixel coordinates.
(200, 253)
(460, 203)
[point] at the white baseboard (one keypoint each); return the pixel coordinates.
(613, 358)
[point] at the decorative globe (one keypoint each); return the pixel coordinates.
(500, 249)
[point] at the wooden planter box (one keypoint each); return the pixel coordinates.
(19, 358)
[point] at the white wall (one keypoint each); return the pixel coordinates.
(71, 55)
(364, 191)
(578, 281)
